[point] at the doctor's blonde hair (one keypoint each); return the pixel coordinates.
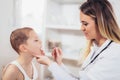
(102, 13)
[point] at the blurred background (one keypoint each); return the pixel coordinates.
(56, 22)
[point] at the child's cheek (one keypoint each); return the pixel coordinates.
(39, 53)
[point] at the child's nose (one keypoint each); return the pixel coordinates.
(40, 41)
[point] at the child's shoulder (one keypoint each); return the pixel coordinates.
(11, 71)
(11, 68)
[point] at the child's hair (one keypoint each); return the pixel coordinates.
(19, 36)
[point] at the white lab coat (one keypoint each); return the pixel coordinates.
(105, 67)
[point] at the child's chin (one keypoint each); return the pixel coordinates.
(37, 55)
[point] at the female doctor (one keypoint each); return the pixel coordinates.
(101, 60)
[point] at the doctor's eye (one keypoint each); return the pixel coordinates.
(85, 24)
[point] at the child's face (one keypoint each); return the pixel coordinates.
(34, 44)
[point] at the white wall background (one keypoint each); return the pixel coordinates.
(32, 14)
(116, 7)
(7, 54)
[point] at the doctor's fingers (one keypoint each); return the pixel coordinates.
(54, 53)
(42, 52)
(58, 52)
(42, 60)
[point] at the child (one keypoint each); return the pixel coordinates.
(27, 44)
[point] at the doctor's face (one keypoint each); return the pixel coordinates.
(88, 26)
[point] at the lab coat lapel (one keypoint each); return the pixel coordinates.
(101, 48)
(95, 53)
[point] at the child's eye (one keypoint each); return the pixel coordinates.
(36, 40)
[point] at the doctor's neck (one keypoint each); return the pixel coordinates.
(99, 42)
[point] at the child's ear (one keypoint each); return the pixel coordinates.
(22, 48)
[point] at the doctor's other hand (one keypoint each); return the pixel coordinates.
(57, 55)
(43, 60)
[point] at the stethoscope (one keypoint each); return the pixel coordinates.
(97, 56)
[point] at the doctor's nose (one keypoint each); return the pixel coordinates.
(82, 28)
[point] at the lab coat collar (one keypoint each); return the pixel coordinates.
(95, 47)
(95, 50)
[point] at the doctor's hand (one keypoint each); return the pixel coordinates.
(57, 55)
(43, 60)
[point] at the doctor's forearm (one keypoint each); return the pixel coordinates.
(60, 74)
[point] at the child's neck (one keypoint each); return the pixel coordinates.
(25, 59)
(26, 63)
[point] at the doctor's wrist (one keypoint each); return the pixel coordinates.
(49, 63)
